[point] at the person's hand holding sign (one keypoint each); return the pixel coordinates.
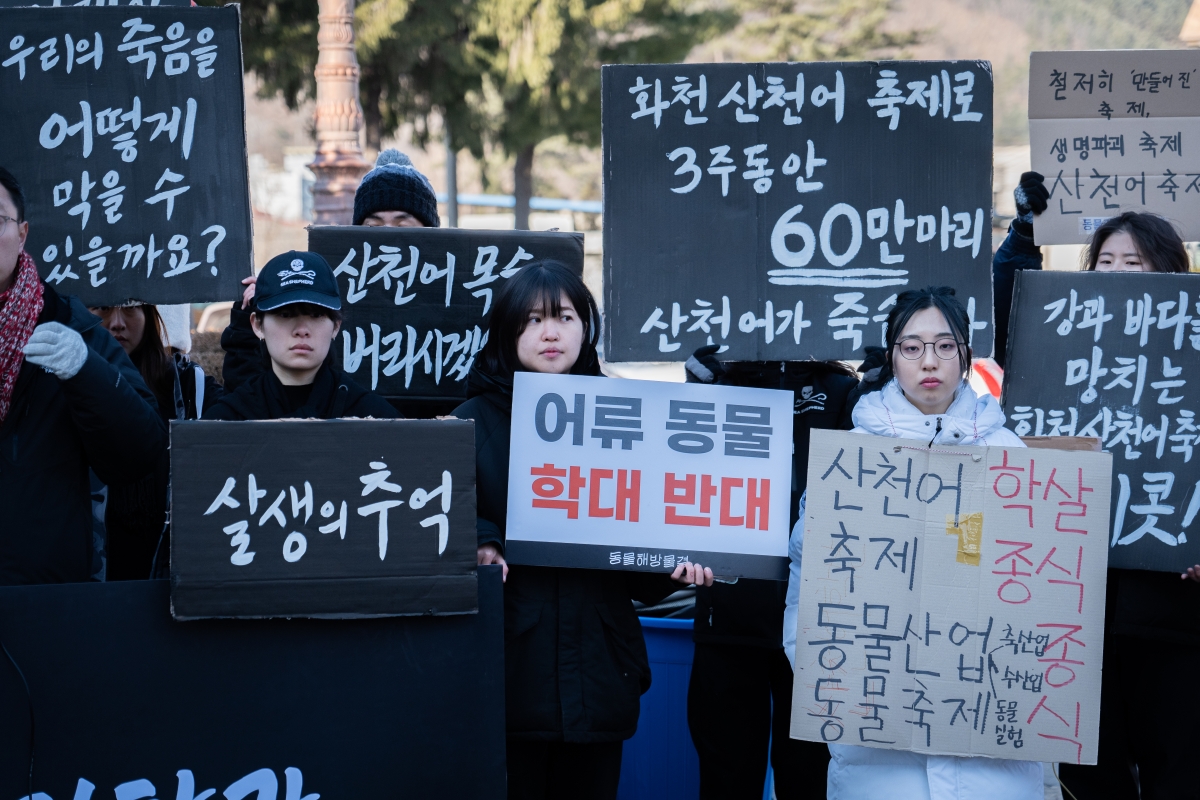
(488, 554)
(688, 573)
(1193, 573)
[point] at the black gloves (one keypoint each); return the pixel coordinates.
(703, 366)
(1032, 198)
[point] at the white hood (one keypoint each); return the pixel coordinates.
(971, 419)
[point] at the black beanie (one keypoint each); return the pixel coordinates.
(396, 185)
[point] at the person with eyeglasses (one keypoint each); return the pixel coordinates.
(926, 398)
(70, 400)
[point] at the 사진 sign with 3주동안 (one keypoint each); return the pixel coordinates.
(778, 209)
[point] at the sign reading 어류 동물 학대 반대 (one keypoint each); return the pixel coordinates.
(952, 601)
(334, 518)
(1115, 131)
(646, 475)
(1114, 356)
(416, 301)
(778, 209)
(127, 134)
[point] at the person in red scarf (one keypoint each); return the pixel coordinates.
(70, 400)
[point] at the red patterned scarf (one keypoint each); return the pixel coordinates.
(19, 310)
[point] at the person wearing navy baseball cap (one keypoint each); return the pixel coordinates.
(296, 318)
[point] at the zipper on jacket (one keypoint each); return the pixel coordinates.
(936, 432)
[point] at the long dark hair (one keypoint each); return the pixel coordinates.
(942, 298)
(1157, 241)
(153, 360)
(541, 284)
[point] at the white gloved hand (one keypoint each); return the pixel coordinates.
(57, 349)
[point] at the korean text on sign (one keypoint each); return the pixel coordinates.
(619, 474)
(952, 601)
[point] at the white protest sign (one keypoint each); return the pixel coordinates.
(1115, 131)
(643, 475)
(952, 601)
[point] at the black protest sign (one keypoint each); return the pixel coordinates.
(399, 707)
(415, 301)
(125, 127)
(338, 518)
(1114, 356)
(777, 209)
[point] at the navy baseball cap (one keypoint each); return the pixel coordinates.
(296, 277)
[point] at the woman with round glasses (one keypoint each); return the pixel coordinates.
(927, 398)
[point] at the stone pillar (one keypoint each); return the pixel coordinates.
(339, 165)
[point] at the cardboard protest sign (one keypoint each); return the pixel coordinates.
(645, 475)
(339, 518)
(416, 301)
(1114, 356)
(126, 130)
(777, 209)
(952, 601)
(1115, 131)
(128, 700)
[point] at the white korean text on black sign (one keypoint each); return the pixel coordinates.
(133, 141)
(1114, 357)
(778, 209)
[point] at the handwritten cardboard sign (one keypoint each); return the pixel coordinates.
(777, 209)
(1115, 356)
(952, 601)
(416, 301)
(337, 518)
(126, 129)
(1115, 131)
(643, 475)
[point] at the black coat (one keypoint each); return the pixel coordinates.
(135, 516)
(333, 396)
(750, 612)
(103, 418)
(574, 656)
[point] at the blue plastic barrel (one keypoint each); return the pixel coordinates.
(660, 762)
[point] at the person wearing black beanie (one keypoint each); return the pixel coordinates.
(395, 194)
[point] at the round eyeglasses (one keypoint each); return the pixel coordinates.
(914, 349)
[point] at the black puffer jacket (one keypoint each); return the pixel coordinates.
(574, 656)
(136, 513)
(103, 418)
(750, 612)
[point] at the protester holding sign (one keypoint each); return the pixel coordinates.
(740, 689)
(297, 316)
(575, 659)
(157, 340)
(1140, 243)
(928, 399)
(1152, 619)
(394, 194)
(70, 399)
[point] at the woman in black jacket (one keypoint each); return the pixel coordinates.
(296, 317)
(135, 517)
(575, 659)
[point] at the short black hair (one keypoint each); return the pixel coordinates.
(9, 182)
(541, 284)
(942, 298)
(1159, 244)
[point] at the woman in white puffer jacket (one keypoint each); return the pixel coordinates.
(930, 400)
